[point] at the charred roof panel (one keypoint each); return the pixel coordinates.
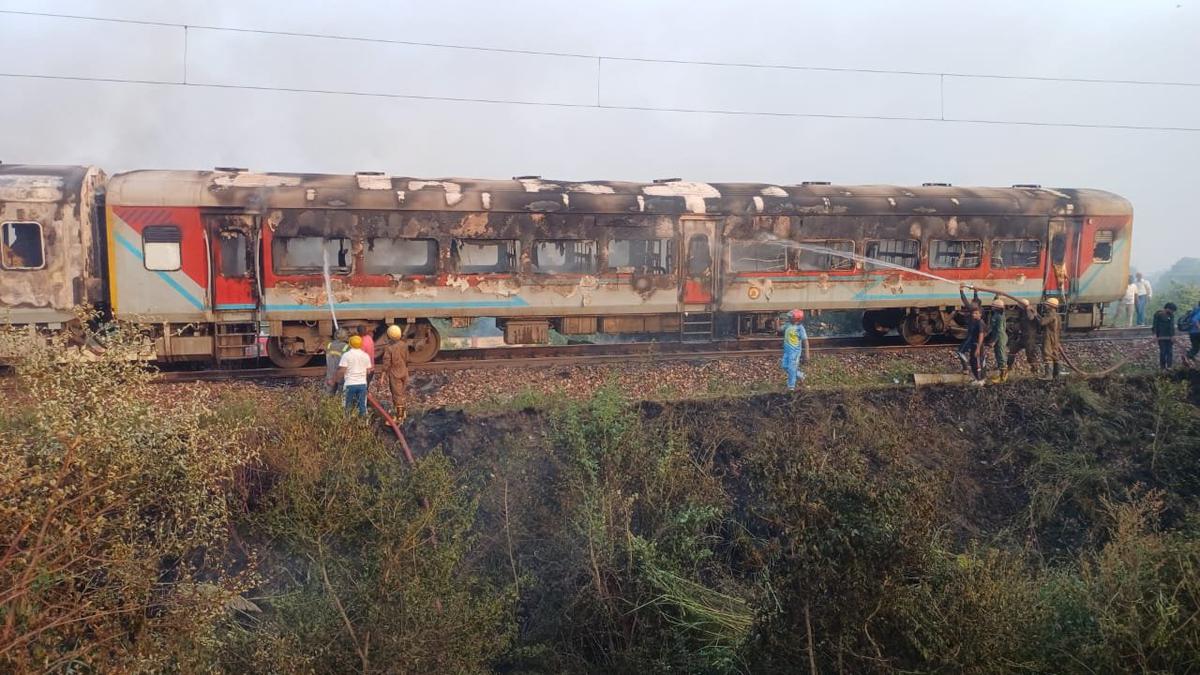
(253, 191)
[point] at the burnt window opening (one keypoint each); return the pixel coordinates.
(235, 260)
(564, 256)
(699, 256)
(1103, 247)
(307, 255)
(807, 260)
(757, 256)
(484, 256)
(903, 252)
(400, 256)
(1010, 253)
(162, 248)
(955, 254)
(641, 256)
(21, 246)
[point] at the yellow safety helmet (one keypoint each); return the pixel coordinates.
(1053, 302)
(395, 332)
(356, 341)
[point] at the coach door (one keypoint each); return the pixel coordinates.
(233, 254)
(1062, 257)
(699, 276)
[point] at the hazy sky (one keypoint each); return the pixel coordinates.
(1089, 93)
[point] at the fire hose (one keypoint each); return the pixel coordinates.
(1061, 352)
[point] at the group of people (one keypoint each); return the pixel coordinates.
(1038, 334)
(350, 367)
(1132, 307)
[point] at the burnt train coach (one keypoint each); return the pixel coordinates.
(51, 230)
(220, 263)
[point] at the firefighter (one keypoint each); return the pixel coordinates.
(333, 354)
(1050, 325)
(353, 369)
(395, 369)
(997, 338)
(1027, 339)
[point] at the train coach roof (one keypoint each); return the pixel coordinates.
(45, 184)
(264, 191)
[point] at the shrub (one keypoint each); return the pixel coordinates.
(113, 514)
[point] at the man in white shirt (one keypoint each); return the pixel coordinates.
(1124, 313)
(1144, 292)
(352, 370)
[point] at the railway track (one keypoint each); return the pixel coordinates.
(533, 357)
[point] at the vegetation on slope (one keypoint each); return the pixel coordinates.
(1047, 528)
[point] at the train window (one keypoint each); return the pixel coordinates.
(758, 256)
(641, 256)
(564, 256)
(308, 255)
(234, 261)
(400, 256)
(1102, 248)
(161, 248)
(484, 256)
(21, 246)
(955, 254)
(904, 252)
(1008, 253)
(823, 256)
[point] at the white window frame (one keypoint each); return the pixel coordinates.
(41, 244)
(177, 244)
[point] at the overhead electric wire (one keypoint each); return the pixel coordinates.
(599, 58)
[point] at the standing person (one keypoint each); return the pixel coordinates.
(1164, 331)
(1193, 325)
(795, 347)
(1027, 337)
(976, 331)
(1144, 292)
(1125, 312)
(1051, 325)
(352, 371)
(395, 369)
(368, 346)
(997, 338)
(964, 350)
(333, 354)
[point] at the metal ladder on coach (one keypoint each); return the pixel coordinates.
(696, 327)
(234, 340)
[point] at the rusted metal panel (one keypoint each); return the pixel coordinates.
(578, 325)
(526, 332)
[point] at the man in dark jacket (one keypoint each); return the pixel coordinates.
(1164, 331)
(1027, 337)
(968, 345)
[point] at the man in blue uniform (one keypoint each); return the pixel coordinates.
(795, 347)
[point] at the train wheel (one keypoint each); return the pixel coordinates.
(424, 344)
(284, 359)
(913, 332)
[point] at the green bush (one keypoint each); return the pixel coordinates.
(114, 511)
